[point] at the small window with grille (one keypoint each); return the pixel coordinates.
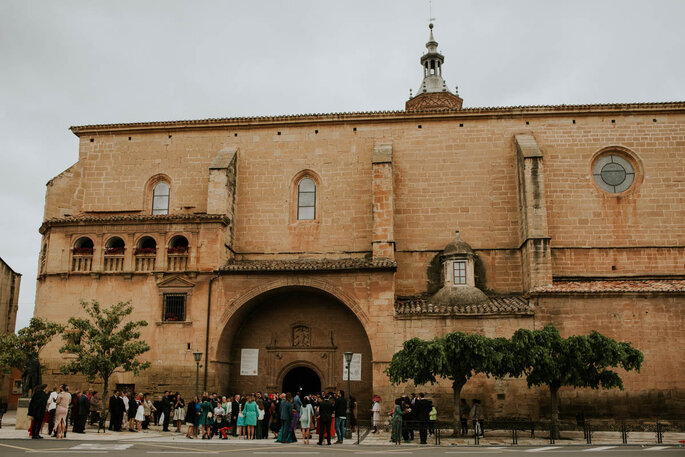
(174, 308)
(459, 272)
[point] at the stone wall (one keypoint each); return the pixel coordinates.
(9, 304)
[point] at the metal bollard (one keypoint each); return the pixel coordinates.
(588, 434)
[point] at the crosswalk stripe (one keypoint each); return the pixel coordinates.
(600, 448)
(656, 448)
(541, 449)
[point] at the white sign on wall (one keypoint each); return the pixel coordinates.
(355, 368)
(249, 362)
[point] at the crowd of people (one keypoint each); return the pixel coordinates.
(252, 416)
(418, 413)
(55, 408)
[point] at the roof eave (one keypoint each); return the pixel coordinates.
(383, 116)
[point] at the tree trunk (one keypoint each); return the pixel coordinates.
(104, 399)
(554, 413)
(456, 399)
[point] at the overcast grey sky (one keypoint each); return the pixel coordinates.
(66, 63)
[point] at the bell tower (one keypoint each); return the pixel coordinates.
(433, 93)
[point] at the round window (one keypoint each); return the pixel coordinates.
(613, 173)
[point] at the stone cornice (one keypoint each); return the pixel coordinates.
(133, 219)
(384, 116)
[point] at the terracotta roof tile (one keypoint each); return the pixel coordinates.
(375, 115)
(618, 285)
(131, 218)
(347, 264)
(497, 305)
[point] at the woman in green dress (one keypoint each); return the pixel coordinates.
(206, 418)
(251, 412)
(397, 422)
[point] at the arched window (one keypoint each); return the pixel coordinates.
(83, 246)
(115, 246)
(178, 245)
(160, 198)
(306, 199)
(146, 245)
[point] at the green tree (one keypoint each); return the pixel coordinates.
(16, 349)
(25, 346)
(105, 342)
(579, 361)
(456, 356)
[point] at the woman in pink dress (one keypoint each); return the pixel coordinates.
(63, 401)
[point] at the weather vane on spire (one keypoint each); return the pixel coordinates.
(430, 13)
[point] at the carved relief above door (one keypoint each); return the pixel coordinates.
(300, 351)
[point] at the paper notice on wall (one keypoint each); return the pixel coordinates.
(249, 362)
(355, 368)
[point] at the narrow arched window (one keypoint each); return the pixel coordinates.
(306, 199)
(160, 198)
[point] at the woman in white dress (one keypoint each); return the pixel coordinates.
(179, 414)
(306, 420)
(140, 413)
(376, 412)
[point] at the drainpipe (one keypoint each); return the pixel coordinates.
(209, 309)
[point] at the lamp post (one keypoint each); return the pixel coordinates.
(197, 355)
(348, 430)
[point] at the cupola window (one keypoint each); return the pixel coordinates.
(457, 263)
(459, 272)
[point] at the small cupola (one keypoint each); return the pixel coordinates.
(459, 284)
(433, 93)
(457, 263)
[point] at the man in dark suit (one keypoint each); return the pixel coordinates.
(235, 410)
(166, 409)
(39, 401)
(325, 418)
(74, 410)
(115, 416)
(158, 409)
(83, 410)
(422, 409)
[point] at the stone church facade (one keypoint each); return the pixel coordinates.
(308, 236)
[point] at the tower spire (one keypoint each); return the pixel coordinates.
(433, 92)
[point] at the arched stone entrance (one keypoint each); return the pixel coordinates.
(294, 329)
(301, 379)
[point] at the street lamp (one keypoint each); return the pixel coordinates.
(348, 429)
(197, 355)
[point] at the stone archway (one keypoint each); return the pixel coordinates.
(293, 327)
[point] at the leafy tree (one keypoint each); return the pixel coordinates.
(25, 346)
(104, 343)
(579, 361)
(456, 356)
(27, 343)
